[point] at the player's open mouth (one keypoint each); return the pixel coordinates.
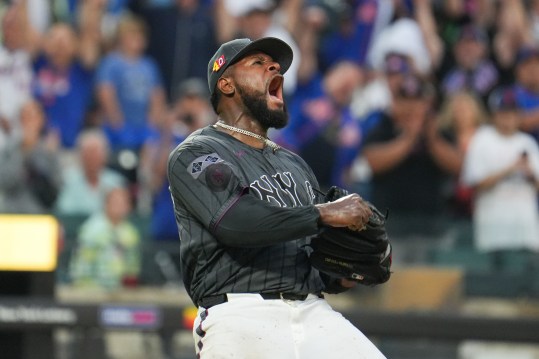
(275, 89)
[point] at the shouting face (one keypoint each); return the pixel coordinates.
(260, 85)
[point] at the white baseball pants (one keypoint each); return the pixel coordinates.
(250, 327)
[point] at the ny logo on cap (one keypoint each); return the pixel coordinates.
(217, 64)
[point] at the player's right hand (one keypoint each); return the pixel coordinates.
(348, 211)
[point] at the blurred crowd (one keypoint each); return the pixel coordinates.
(429, 108)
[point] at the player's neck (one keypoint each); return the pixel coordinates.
(246, 123)
(241, 120)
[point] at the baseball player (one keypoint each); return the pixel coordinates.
(246, 210)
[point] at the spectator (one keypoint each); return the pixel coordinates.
(129, 89)
(190, 112)
(29, 174)
(322, 129)
(358, 23)
(64, 74)
(181, 34)
(406, 177)
(527, 89)
(502, 165)
(15, 69)
(108, 252)
(513, 31)
(473, 70)
(85, 185)
(377, 95)
(451, 15)
(460, 117)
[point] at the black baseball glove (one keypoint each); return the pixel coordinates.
(363, 255)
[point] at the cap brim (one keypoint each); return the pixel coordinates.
(279, 51)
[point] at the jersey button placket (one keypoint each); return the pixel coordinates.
(296, 325)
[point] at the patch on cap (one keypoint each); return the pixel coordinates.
(503, 99)
(217, 64)
(396, 64)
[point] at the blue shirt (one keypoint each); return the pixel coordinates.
(113, 6)
(133, 81)
(527, 101)
(65, 96)
(163, 221)
(352, 45)
(326, 136)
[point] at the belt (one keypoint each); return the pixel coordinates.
(210, 301)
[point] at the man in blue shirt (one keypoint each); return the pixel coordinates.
(129, 89)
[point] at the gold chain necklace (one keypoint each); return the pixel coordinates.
(266, 141)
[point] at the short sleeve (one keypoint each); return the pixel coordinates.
(532, 150)
(155, 75)
(475, 167)
(202, 183)
(105, 71)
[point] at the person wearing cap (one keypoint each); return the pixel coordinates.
(245, 209)
(324, 132)
(406, 176)
(189, 112)
(378, 93)
(502, 165)
(473, 70)
(527, 88)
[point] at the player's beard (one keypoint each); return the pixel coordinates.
(256, 105)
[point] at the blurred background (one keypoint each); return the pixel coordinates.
(427, 108)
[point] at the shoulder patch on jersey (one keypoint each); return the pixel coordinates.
(218, 177)
(199, 164)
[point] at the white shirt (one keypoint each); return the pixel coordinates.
(506, 216)
(15, 87)
(79, 197)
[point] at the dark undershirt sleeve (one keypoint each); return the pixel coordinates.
(250, 222)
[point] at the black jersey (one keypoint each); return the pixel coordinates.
(207, 174)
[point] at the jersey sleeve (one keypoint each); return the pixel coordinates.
(202, 182)
(208, 188)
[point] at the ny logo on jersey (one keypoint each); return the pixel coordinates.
(280, 189)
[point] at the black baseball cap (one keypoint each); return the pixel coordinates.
(473, 33)
(232, 51)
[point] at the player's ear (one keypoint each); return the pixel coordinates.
(226, 86)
